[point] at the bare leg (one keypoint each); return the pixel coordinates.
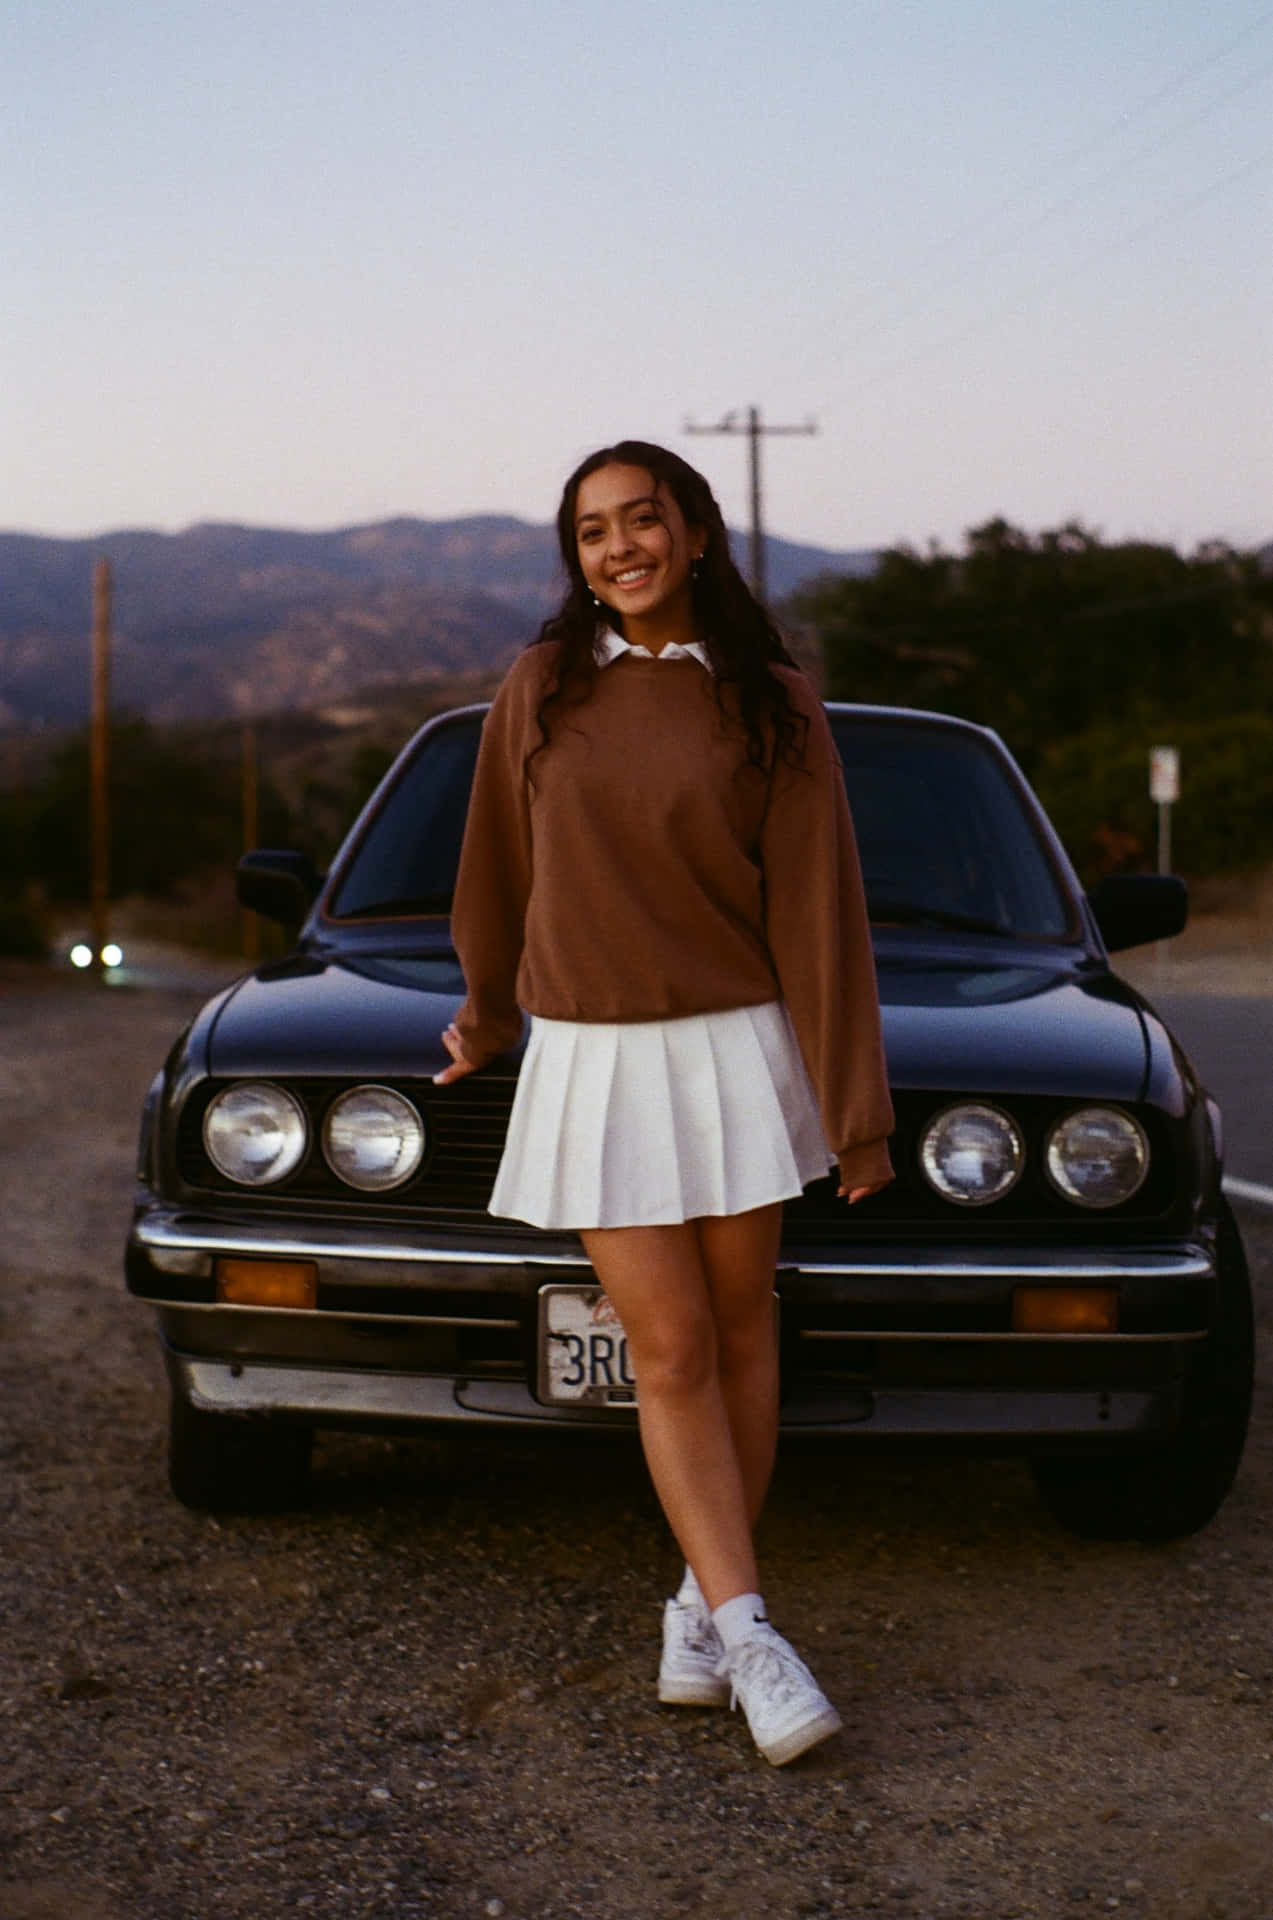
(666, 1295)
(740, 1253)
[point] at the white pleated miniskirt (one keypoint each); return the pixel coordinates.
(650, 1122)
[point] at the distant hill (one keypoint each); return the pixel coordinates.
(222, 619)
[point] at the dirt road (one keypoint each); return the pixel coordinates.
(432, 1694)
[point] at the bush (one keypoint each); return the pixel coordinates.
(1096, 788)
(175, 813)
(22, 935)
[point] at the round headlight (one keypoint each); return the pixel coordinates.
(255, 1133)
(373, 1138)
(1097, 1157)
(972, 1154)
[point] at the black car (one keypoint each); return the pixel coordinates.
(1054, 1270)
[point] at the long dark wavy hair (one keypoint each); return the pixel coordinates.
(742, 642)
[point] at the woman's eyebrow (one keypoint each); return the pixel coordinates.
(624, 506)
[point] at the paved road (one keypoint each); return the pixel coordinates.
(1230, 1041)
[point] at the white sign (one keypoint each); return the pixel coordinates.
(1164, 774)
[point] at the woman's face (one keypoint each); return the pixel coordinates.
(635, 545)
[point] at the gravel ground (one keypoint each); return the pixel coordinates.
(432, 1693)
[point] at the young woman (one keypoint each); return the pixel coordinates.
(659, 868)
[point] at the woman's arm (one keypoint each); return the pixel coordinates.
(493, 883)
(820, 940)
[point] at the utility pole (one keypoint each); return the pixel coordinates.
(99, 759)
(249, 922)
(752, 426)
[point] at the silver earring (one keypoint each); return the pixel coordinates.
(694, 566)
(595, 601)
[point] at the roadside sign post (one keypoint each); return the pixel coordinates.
(1164, 789)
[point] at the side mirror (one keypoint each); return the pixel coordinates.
(279, 883)
(1133, 908)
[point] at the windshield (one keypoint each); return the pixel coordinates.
(406, 860)
(943, 835)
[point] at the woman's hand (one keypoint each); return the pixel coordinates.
(854, 1194)
(460, 1063)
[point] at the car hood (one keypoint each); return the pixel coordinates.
(370, 1016)
(988, 1026)
(980, 1025)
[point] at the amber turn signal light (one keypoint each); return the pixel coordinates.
(267, 1283)
(1065, 1310)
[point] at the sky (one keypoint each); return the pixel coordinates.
(296, 263)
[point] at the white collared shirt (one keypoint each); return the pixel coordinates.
(611, 646)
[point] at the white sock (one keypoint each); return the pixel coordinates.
(740, 1617)
(689, 1593)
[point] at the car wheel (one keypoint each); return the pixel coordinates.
(232, 1463)
(1178, 1485)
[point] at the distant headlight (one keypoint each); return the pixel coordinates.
(255, 1133)
(1097, 1157)
(972, 1154)
(373, 1138)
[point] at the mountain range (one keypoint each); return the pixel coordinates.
(221, 619)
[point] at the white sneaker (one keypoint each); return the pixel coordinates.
(689, 1672)
(786, 1710)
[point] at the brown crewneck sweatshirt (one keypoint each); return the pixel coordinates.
(645, 872)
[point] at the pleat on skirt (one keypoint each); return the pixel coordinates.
(646, 1123)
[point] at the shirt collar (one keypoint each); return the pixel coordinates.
(611, 646)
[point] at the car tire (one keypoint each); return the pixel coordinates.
(231, 1463)
(1177, 1486)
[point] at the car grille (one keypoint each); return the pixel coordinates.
(466, 1124)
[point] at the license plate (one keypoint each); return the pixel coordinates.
(583, 1350)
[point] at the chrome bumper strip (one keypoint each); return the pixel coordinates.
(167, 1236)
(164, 1235)
(996, 1265)
(361, 1315)
(1120, 1340)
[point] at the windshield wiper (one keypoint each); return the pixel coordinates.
(916, 913)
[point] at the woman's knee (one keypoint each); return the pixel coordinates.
(747, 1339)
(675, 1354)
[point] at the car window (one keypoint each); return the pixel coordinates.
(407, 858)
(942, 832)
(943, 835)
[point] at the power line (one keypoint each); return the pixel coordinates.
(1080, 193)
(1071, 272)
(903, 308)
(1114, 127)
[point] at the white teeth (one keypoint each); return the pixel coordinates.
(626, 579)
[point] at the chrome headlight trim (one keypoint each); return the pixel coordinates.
(972, 1153)
(1114, 1158)
(374, 1138)
(255, 1133)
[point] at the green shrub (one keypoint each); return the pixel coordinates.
(1095, 785)
(22, 935)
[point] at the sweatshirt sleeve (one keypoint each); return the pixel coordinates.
(492, 886)
(819, 936)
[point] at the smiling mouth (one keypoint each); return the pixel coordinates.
(633, 577)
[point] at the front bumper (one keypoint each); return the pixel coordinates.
(415, 1327)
